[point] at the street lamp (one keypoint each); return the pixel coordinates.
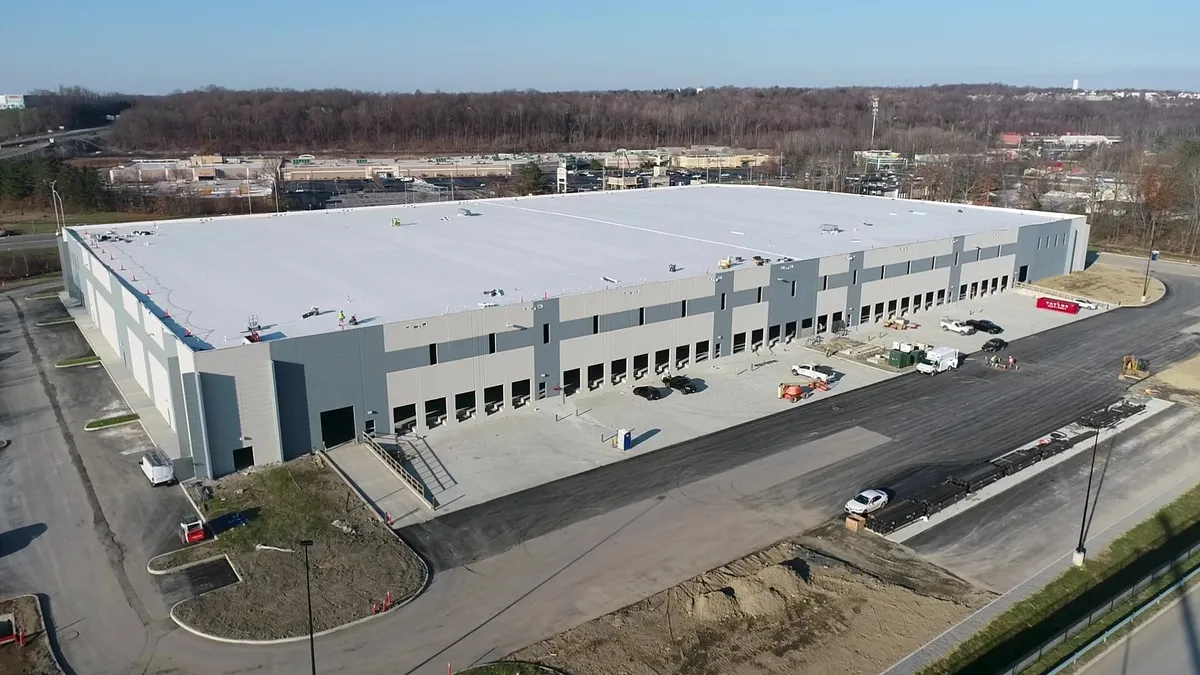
(60, 216)
(1080, 551)
(312, 649)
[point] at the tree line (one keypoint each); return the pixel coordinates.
(812, 121)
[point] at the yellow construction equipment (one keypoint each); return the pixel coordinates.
(1133, 368)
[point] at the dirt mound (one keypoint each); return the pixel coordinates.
(762, 592)
(715, 605)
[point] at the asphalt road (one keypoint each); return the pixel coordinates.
(936, 425)
(1014, 535)
(1169, 643)
(21, 242)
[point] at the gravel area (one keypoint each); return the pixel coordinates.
(284, 505)
(830, 602)
(1107, 283)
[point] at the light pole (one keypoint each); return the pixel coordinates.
(1080, 551)
(1149, 259)
(60, 217)
(312, 649)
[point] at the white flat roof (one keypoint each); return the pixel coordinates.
(214, 273)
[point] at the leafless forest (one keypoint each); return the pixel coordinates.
(809, 121)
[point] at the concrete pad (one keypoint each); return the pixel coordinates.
(549, 440)
(375, 480)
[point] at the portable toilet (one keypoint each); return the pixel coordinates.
(624, 439)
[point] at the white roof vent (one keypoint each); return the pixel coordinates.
(830, 229)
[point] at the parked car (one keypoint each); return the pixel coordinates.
(994, 345)
(158, 468)
(867, 501)
(984, 326)
(680, 384)
(648, 393)
(814, 372)
(1085, 304)
(956, 326)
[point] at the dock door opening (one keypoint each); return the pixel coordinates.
(337, 426)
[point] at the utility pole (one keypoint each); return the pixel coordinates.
(874, 116)
(312, 649)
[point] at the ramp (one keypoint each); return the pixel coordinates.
(378, 482)
(420, 461)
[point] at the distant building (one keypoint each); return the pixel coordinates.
(1011, 139)
(12, 101)
(719, 158)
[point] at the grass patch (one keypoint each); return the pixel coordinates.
(280, 505)
(1012, 634)
(80, 361)
(1139, 253)
(1118, 613)
(105, 422)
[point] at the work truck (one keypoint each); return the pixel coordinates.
(956, 326)
(939, 359)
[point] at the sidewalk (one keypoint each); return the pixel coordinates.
(152, 420)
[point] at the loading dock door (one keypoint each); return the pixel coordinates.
(337, 426)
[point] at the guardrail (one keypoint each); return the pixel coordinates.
(416, 486)
(1099, 613)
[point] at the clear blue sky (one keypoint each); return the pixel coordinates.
(483, 45)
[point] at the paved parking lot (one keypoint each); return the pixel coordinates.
(492, 458)
(102, 519)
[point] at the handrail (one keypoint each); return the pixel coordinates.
(403, 474)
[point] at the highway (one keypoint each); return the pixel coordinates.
(56, 135)
(22, 242)
(1168, 643)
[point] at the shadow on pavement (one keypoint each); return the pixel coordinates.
(17, 539)
(196, 580)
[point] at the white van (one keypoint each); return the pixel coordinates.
(158, 468)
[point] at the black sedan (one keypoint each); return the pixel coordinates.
(984, 326)
(648, 393)
(680, 384)
(994, 345)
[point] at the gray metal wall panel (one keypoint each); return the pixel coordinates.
(1048, 261)
(723, 318)
(697, 306)
(569, 330)
(943, 261)
(743, 298)
(853, 288)
(413, 357)
(464, 348)
(989, 252)
(197, 428)
(839, 280)
(955, 271)
(783, 307)
(968, 255)
(660, 313)
(618, 320)
(517, 338)
(921, 265)
(374, 378)
(546, 359)
(179, 406)
(291, 394)
(869, 274)
(895, 270)
(223, 423)
(1009, 249)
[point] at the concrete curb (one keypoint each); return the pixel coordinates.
(536, 666)
(55, 322)
(41, 612)
(427, 579)
(89, 362)
(180, 568)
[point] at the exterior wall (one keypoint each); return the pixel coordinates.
(270, 396)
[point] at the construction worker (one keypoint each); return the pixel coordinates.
(1012, 362)
(341, 316)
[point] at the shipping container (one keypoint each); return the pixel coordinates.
(1054, 304)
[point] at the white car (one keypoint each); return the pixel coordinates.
(814, 372)
(1085, 304)
(867, 501)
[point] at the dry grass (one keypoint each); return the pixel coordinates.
(830, 602)
(295, 501)
(1111, 284)
(35, 658)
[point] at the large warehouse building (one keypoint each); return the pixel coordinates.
(439, 314)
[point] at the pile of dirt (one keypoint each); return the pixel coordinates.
(35, 658)
(1111, 284)
(1179, 383)
(350, 570)
(829, 602)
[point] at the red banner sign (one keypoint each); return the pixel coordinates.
(1054, 304)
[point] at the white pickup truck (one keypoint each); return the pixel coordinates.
(814, 372)
(938, 360)
(956, 326)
